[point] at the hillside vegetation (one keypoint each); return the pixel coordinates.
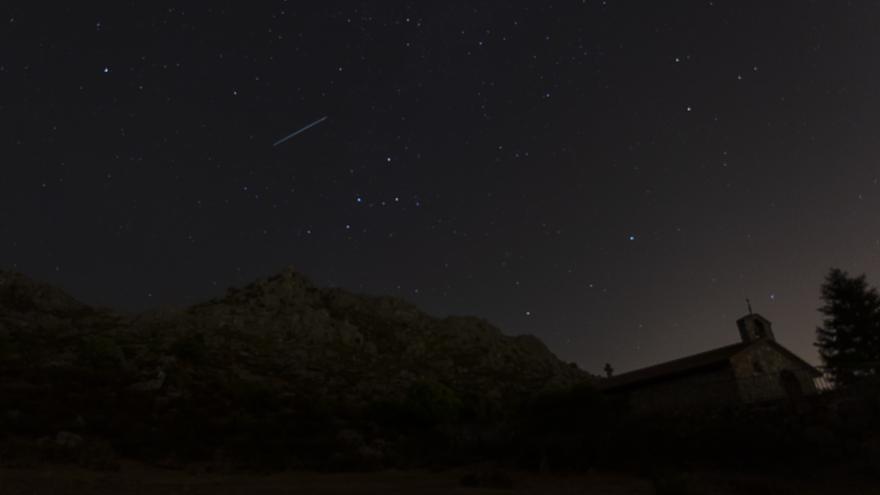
(279, 372)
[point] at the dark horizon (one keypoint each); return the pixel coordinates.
(808, 352)
(616, 181)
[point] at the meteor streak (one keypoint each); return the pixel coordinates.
(304, 129)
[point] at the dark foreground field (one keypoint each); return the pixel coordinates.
(136, 479)
(139, 480)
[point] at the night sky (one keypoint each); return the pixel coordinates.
(614, 177)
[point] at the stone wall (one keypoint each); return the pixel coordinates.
(758, 370)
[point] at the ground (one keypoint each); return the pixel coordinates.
(140, 480)
(137, 479)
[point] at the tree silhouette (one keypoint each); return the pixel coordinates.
(849, 338)
(609, 370)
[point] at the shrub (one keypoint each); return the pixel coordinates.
(100, 351)
(566, 428)
(21, 452)
(6, 344)
(190, 347)
(495, 479)
(253, 395)
(431, 403)
(424, 404)
(577, 407)
(99, 455)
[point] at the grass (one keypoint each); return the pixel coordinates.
(140, 479)
(136, 479)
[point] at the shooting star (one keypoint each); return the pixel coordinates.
(304, 129)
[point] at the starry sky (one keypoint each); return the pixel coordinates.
(615, 177)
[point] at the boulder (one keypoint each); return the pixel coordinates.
(68, 440)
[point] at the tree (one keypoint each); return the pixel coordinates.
(849, 338)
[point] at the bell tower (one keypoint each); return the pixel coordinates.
(753, 327)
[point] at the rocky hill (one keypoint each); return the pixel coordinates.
(277, 364)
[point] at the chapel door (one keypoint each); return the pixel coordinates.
(791, 385)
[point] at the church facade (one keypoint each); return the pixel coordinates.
(755, 370)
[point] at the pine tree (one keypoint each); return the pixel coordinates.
(849, 338)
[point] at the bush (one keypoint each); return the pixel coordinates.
(20, 452)
(495, 479)
(573, 409)
(190, 347)
(99, 455)
(431, 403)
(5, 340)
(99, 351)
(253, 395)
(569, 428)
(425, 404)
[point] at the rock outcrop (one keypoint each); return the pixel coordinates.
(277, 348)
